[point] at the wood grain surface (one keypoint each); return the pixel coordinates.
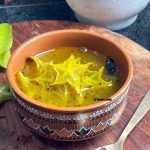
(15, 136)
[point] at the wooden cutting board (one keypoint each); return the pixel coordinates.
(15, 136)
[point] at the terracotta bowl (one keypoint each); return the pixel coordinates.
(71, 123)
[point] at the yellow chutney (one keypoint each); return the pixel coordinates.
(68, 77)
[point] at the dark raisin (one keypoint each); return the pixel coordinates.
(98, 99)
(102, 99)
(110, 65)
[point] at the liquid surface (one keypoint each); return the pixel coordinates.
(68, 77)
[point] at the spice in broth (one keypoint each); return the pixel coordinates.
(68, 77)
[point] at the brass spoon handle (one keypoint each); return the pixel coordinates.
(142, 109)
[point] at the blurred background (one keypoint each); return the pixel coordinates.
(13, 11)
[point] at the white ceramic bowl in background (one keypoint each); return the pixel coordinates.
(112, 14)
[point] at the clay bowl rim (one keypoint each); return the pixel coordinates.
(98, 105)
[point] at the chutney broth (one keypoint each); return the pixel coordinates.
(68, 77)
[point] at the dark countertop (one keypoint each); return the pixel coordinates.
(26, 10)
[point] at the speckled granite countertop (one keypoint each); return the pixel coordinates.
(25, 10)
